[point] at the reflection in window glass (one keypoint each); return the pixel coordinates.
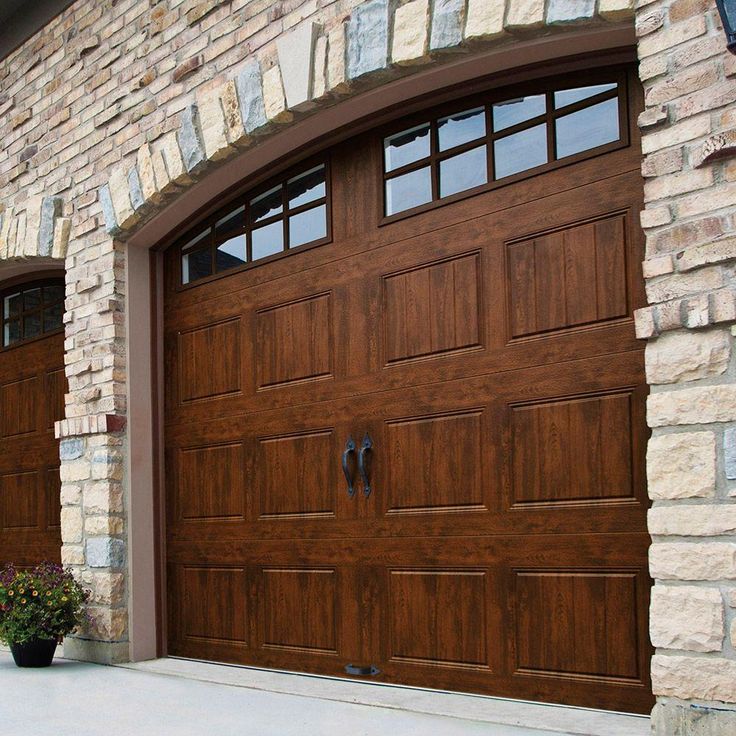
(11, 305)
(32, 325)
(568, 96)
(196, 265)
(409, 190)
(461, 128)
(231, 253)
(232, 223)
(464, 171)
(511, 112)
(267, 240)
(31, 299)
(587, 128)
(266, 205)
(520, 151)
(11, 332)
(308, 226)
(306, 188)
(52, 317)
(406, 147)
(197, 240)
(53, 293)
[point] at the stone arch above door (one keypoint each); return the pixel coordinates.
(34, 231)
(312, 67)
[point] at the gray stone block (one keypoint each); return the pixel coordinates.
(673, 719)
(190, 140)
(136, 193)
(50, 210)
(71, 449)
(105, 552)
(567, 11)
(250, 96)
(108, 211)
(447, 24)
(729, 452)
(368, 38)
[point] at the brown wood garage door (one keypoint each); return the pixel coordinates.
(32, 388)
(459, 295)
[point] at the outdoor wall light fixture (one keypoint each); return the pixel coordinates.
(727, 9)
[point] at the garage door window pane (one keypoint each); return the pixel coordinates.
(464, 171)
(196, 265)
(267, 205)
(11, 332)
(267, 240)
(409, 190)
(406, 147)
(231, 253)
(31, 299)
(568, 96)
(32, 325)
(11, 305)
(308, 226)
(52, 317)
(53, 293)
(306, 188)
(594, 126)
(520, 151)
(461, 128)
(512, 112)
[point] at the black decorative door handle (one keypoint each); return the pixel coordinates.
(365, 447)
(349, 449)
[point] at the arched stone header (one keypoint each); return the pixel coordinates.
(311, 69)
(36, 231)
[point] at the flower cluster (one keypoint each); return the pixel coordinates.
(43, 603)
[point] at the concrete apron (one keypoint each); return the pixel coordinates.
(530, 718)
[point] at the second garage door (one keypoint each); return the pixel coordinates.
(405, 407)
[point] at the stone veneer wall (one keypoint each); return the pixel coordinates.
(117, 106)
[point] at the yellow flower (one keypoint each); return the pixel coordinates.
(48, 593)
(23, 600)
(21, 590)
(11, 592)
(49, 603)
(64, 599)
(35, 593)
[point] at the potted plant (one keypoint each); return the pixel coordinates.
(37, 609)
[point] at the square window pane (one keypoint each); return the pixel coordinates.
(233, 223)
(308, 226)
(31, 325)
(409, 190)
(266, 205)
(587, 128)
(31, 299)
(461, 128)
(267, 240)
(196, 265)
(464, 171)
(11, 305)
(53, 293)
(52, 317)
(307, 187)
(568, 96)
(405, 147)
(231, 253)
(11, 332)
(520, 151)
(511, 112)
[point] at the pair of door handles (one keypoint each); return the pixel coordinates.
(366, 447)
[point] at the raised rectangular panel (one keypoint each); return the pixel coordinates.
(53, 498)
(433, 309)
(299, 609)
(19, 501)
(573, 450)
(18, 407)
(438, 617)
(56, 387)
(211, 482)
(213, 605)
(295, 341)
(295, 475)
(435, 463)
(582, 624)
(568, 278)
(209, 360)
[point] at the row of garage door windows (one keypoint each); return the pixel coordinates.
(463, 152)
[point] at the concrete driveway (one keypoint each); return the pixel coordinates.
(76, 699)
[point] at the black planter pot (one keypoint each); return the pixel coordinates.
(34, 653)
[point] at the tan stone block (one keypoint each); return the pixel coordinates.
(163, 181)
(103, 498)
(657, 266)
(694, 677)
(681, 465)
(688, 356)
(710, 200)
(234, 127)
(120, 195)
(172, 157)
(648, 22)
(104, 525)
(410, 33)
(212, 124)
(671, 36)
(485, 18)
(71, 495)
(692, 560)
(701, 405)
(8, 216)
(71, 524)
(676, 134)
(615, 10)
(107, 624)
(525, 14)
(62, 228)
(693, 520)
(678, 285)
(146, 175)
(319, 73)
(74, 471)
(676, 85)
(686, 617)
(708, 253)
(664, 186)
(273, 96)
(644, 324)
(336, 76)
(72, 554)
(662, 162)
(655, 217)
